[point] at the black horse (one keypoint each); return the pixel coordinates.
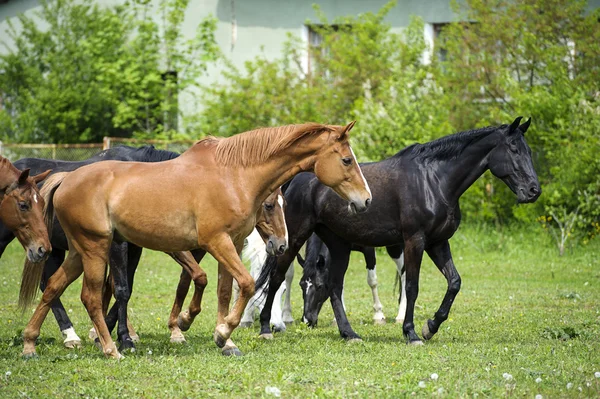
(124, 257)
(415, 209)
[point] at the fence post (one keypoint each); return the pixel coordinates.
(1, 148)
(54, 151)
(106, 143)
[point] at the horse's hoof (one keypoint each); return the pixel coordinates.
(127, 346)
(279, 327)
(246, 324)
(231, 351)
(92, 334)
(134, 338)
(267, 336)
(427, 334)
(379, 322)
(72, 344)
(219, 339)
(178, 340)
(29, 356)
(416, 343)
(354, 340)
(181, 323)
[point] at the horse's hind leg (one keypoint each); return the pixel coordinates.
(286, 313)
(71, 339)
(397, 255)
(65, 275)
(441, 256)
(371, 260)
(195, 273)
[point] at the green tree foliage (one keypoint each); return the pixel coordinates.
(76, 71)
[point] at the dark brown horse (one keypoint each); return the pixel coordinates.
(207, 198)
(21, 207)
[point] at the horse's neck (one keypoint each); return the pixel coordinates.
(459, 174)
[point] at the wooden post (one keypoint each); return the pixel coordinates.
(106, 143)
(1, 148)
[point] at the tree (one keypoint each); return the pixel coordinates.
(99, 71)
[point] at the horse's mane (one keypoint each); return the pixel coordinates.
(448, 147)
(256, 146)
(151, 154)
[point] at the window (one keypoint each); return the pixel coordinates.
(314, 40)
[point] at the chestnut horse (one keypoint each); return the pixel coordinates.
(207, 198)
(21, 207)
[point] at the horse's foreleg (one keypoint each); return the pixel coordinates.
(441, 256)
(230, 267)
(371, 260)
(65, 275)
(190, 264)
(276, 312)
(255, 251)
(413, 255)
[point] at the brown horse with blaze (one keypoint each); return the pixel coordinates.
(207, 198)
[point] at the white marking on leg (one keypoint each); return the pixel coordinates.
(402, 308)
(70, 335)
(286, 313)
(378, 316)
(276, 319)
(255, 252)
(280, 201)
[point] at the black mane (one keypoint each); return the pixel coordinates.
(146, 153)
(448, 147)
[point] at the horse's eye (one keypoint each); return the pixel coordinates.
(513, 147)
(23, 206)
(269, 207)
(347, 161)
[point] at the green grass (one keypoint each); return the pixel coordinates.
(522, 310)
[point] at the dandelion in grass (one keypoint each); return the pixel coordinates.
(507, 377)
(597, 374)
(434, 376)
(8, 374)
(538, 380)
(422, 384)
(538, 396)
(149, 351)
(569, 385)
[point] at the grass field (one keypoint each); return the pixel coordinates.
(521, 311)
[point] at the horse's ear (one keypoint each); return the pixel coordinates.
(300, 260)
(346, 130)
(23, 177)
(513, 126)
(523, 128)
(41, 176)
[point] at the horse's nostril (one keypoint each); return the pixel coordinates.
(281, 249)
(368, 202)
(41, 251)
(534, 190)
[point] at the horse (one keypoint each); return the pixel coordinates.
(315, 276)
(272, 233)
(219, 183)
(417, 210)
(21, 207)
(58, 238)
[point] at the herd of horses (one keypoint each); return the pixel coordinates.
(296, 185)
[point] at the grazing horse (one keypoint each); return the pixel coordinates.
(315, 279)
(21, 207)
(206, 198)
(58, 239)
(416, 211)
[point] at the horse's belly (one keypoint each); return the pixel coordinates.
(160, 232)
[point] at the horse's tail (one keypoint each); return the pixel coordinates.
(265, 274)
(32, 272)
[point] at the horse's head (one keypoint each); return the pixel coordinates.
(314, 282)
(21, 211)
(271, 223)
(336, 167)
(511, 162)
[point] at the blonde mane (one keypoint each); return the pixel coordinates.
(256, 146)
